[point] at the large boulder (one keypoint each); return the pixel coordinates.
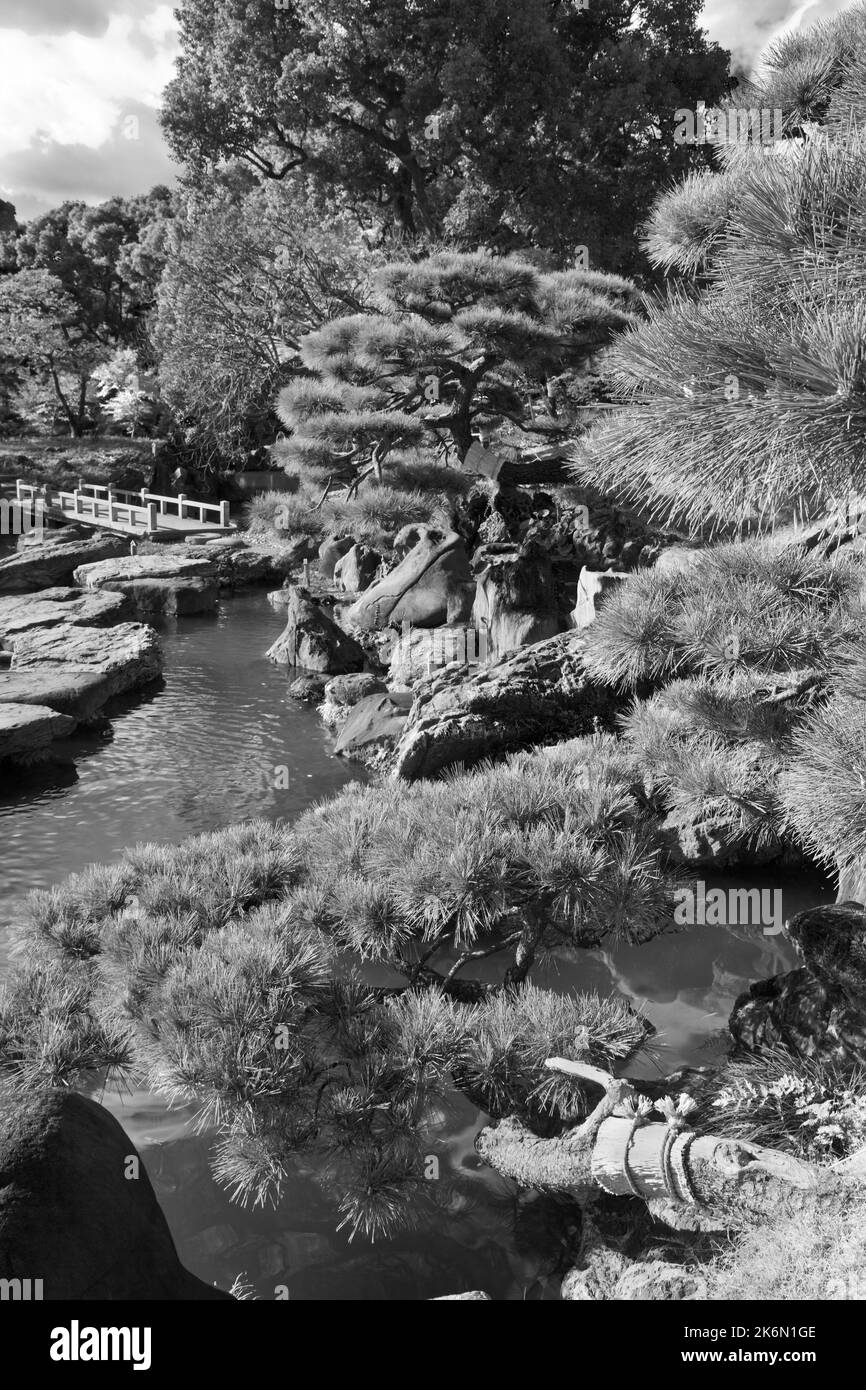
(174, 598)
(515, 598)
(27, 730)
(51, 561)
(77, 1209)
(343, 693)
(374, 725)
(331, 551)
(171, 584)
(112, 574)
(538, 694)
(79, 694)
(431, 585)
(313, 641)
(819, 1010)
(357, 569)
(109, 662)
(55, 607)
(420, 651)
(348, 690)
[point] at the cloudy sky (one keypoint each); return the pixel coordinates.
(82, 79)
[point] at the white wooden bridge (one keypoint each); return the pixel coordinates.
(145, 514)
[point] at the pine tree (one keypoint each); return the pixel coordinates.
(462, 343)
(743, 395)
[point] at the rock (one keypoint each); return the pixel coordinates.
(539, 694)
(310, 689)
(629, 555)
(819, 1010)
(348, 690)
(699, 840)
(121, 658)
(51, 562)
(27, 729)
(79, 694)
(598, 1281)
(112, 574)
(279, 598)
(313, 640)
(375, 721)
(515, 598)
(431, 585)
(678, 559)
(357, 569)
(344, 692)
(659, 1279)
(238, 567)
(420, 651)
(592, 589)
(69, 1215)
(53, 607)
(169, 597)
(332, 549)
(301, 1249)
(476, 1296)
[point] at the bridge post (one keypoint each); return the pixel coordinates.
(82, 486)
(224, 514)
(76, 500)
(181, 509)
(152, 523)
(143, 495)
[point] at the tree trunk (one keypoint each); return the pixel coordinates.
(724, 1182)
(67, 409)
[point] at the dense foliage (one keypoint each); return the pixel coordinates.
(489, 124)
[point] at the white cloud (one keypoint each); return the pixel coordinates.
(73, 87)
(746, 27)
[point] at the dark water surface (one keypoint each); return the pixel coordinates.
(199, 752)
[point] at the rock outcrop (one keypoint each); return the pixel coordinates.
(27, 730)
(539, 694)
(819, 1010)
(432, 584)
(53, 561)
(357, 569)
(313, 640)
(54, 608)
(156, 584)
(515, 598)
(77, 1209)
(374, 725)
(419, 651)
(72, 672)
(343, 693)
(610, 1276)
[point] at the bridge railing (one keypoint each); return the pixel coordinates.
(131, 508)
(180, 506)
(89, 507)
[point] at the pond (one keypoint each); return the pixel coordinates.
(202, 750)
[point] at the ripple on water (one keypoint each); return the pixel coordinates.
(193, 754)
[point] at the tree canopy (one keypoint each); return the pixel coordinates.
(537, 124)
(461, 342)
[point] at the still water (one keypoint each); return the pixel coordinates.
(198, 752)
